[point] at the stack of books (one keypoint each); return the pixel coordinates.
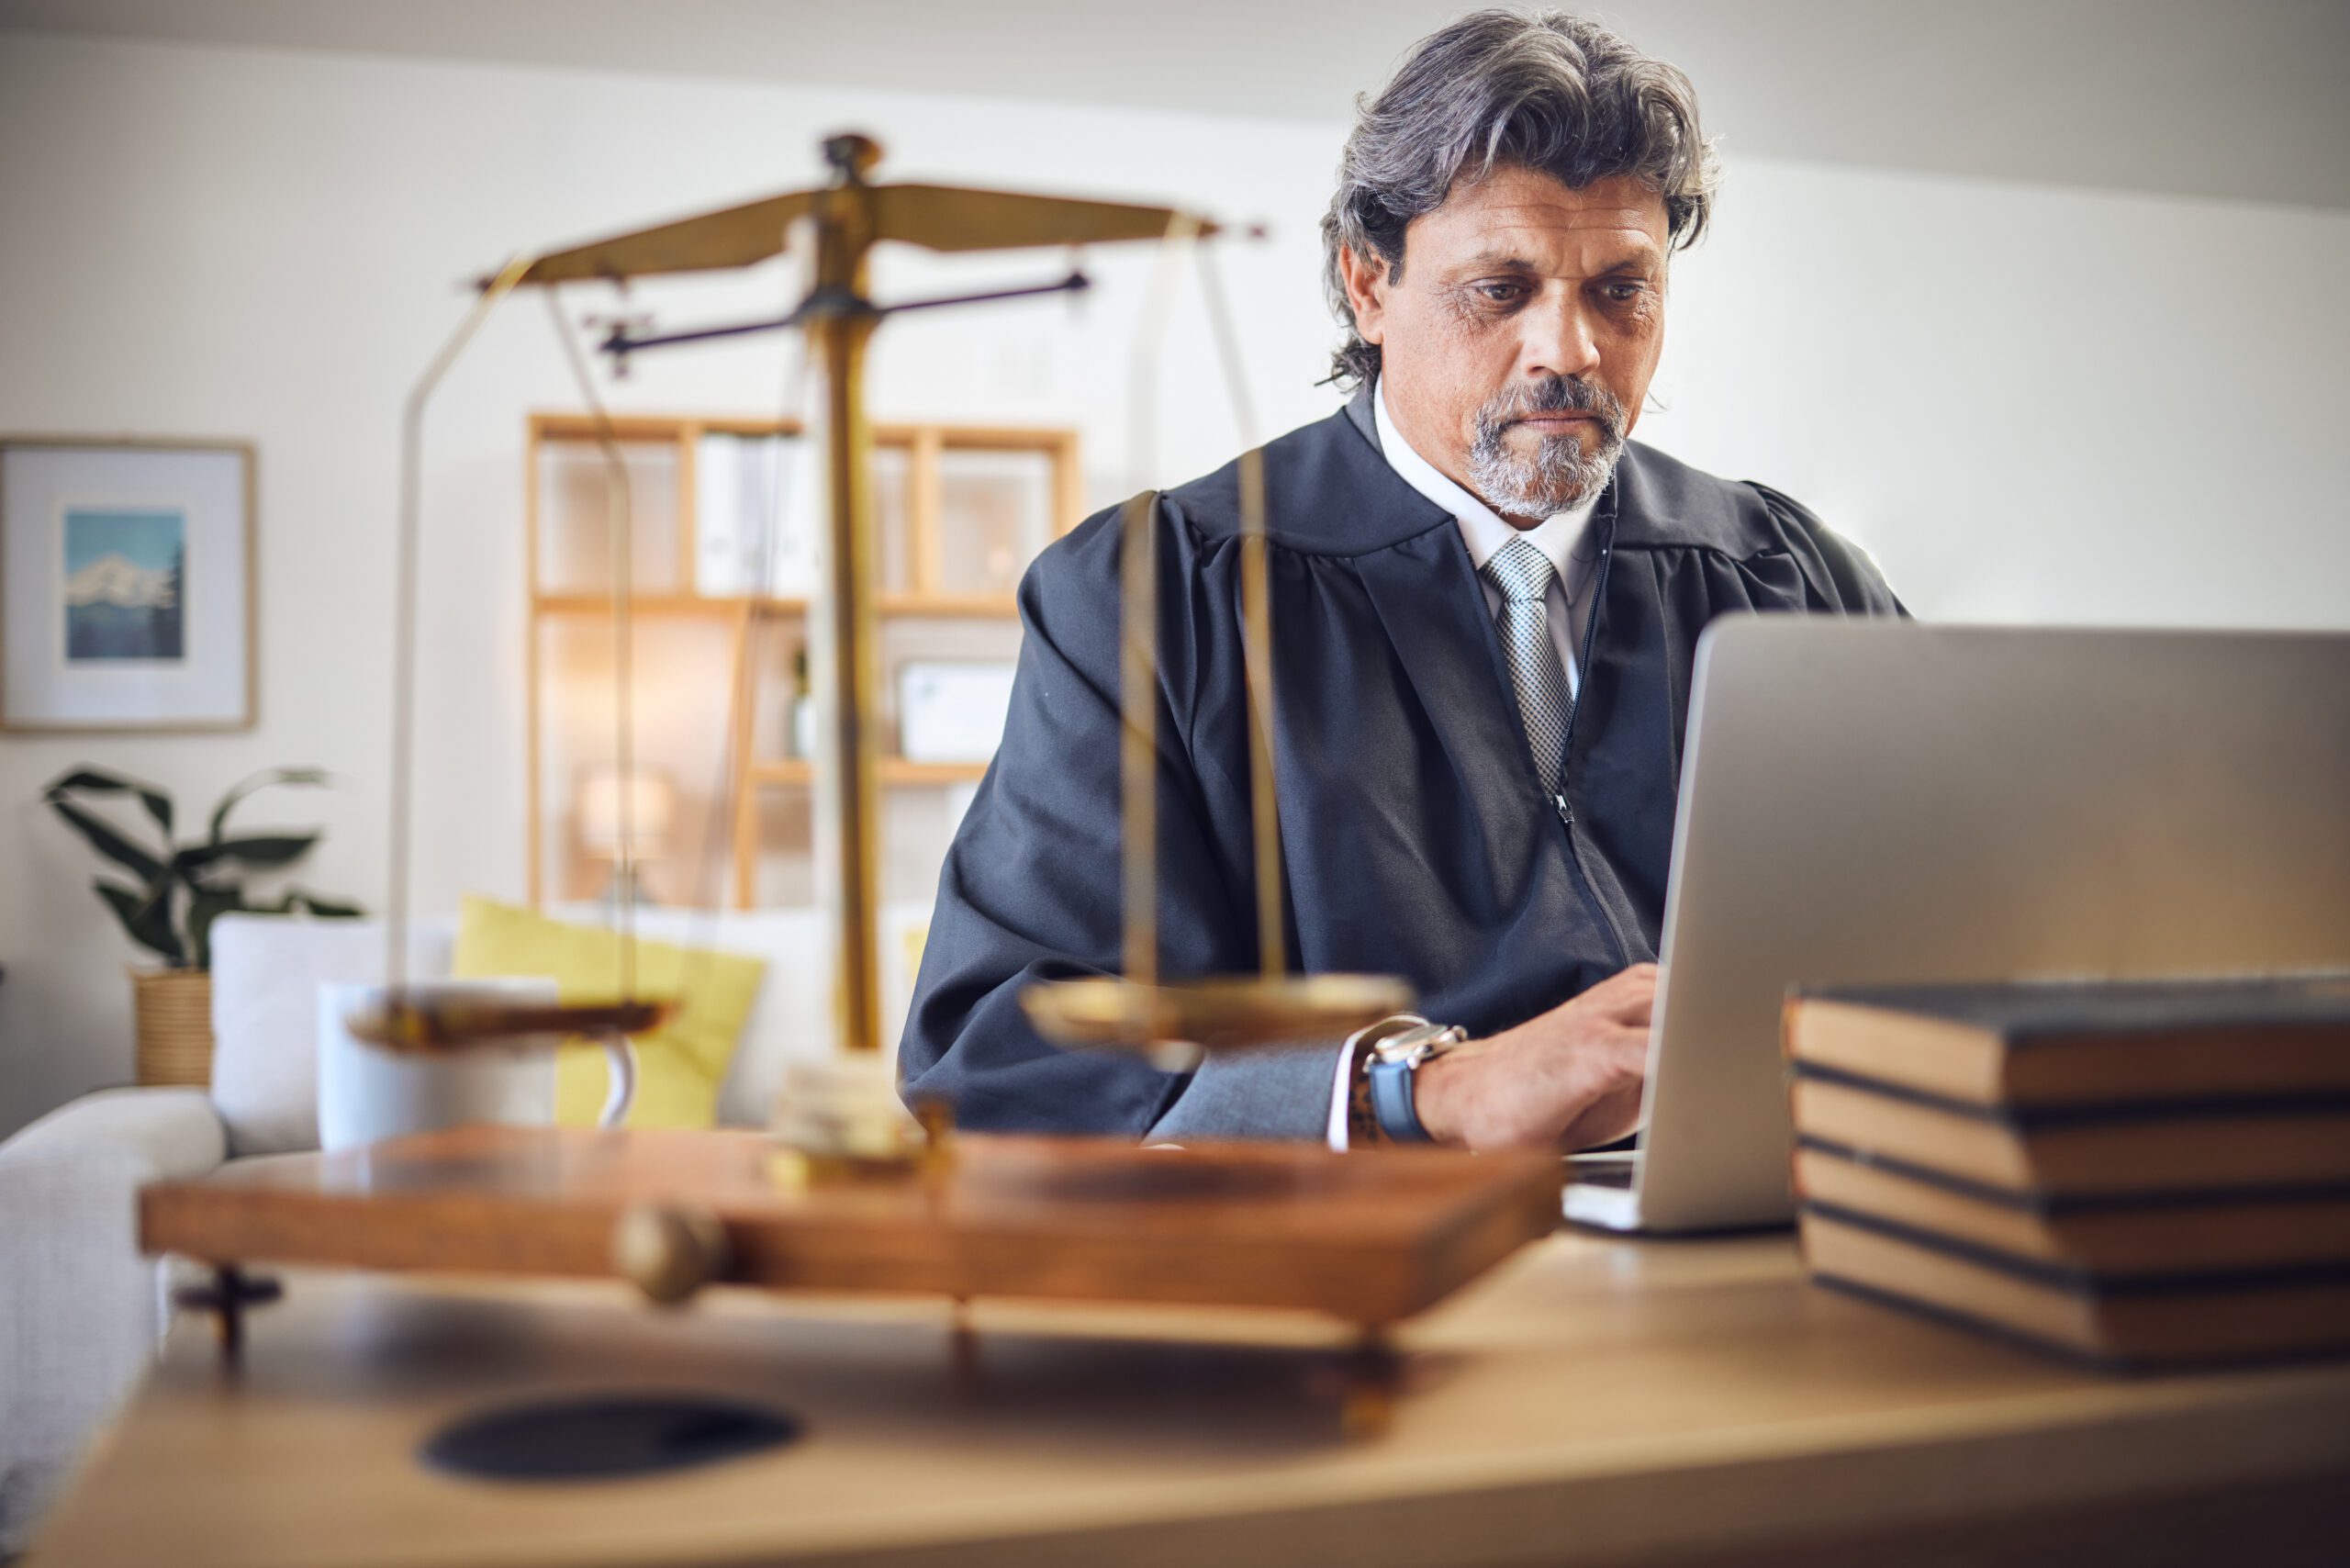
(2139, 1173)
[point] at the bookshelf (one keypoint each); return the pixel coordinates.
(960, 510)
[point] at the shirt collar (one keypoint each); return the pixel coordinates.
(1482, 528)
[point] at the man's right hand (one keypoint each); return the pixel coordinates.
(1570, 1078)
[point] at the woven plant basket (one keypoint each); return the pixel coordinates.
(174, 1016)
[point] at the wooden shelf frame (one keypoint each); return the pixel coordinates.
(926, 596)
(791, 772)
(902, 605)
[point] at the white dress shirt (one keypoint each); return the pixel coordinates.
(1561, 536)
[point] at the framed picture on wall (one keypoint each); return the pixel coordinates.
(126, 585)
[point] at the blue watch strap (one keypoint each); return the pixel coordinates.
(1391, 1101)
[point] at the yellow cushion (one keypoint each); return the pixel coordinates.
(679, 1065)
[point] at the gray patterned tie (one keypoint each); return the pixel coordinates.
(1523, 573)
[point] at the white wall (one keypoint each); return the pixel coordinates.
(2028, 403)
(2031, 403)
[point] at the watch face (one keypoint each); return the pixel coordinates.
(1408, 1045)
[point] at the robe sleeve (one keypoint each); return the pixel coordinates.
(1031, 887)
(1280, 1093)
(1841, 574)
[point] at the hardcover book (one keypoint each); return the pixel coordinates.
(2085, 1042)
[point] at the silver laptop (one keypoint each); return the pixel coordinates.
(1875, 801)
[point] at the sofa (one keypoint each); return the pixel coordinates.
(80, 1311)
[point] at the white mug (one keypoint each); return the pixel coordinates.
(368, 1093)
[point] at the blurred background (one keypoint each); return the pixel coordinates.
(2040, 303)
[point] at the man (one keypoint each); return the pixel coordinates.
(1485, 605)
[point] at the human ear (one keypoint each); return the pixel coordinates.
(1365, 278)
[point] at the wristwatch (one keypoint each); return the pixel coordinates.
(1394, 1059)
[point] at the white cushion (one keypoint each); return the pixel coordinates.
(266, 970)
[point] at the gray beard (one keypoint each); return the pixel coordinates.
(1557, 477)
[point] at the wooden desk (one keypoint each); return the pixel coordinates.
(1592, 1401)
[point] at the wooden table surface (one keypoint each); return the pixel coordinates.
(1592, 1401)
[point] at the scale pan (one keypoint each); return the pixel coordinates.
(1217, 1014)
(474, 1023)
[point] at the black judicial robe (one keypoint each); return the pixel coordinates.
(1416, 838)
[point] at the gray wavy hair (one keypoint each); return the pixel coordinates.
(1543, 89)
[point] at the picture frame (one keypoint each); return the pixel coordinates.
(128, 585)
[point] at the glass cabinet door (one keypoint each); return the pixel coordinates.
(579, 507)
(995, 512)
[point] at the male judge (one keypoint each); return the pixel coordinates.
(1485, 605)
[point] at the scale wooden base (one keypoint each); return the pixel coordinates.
(1369, 1238)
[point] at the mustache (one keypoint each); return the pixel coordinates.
(1552, 395)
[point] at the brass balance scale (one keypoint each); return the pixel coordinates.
(1369, 1237)
(848, 217)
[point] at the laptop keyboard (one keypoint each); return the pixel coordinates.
(1602, 1172)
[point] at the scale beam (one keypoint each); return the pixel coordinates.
(620, 345)
(936, 217)
(950, 218)
(709, 242)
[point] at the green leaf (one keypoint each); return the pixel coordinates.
(297, 901)
(207, 905)
(158, 897)
(91, 781)
(148, 923)
(273, 849)
(325, 909)
(317, 777)
(106, 841)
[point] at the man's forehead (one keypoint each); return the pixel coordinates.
(1522, 212)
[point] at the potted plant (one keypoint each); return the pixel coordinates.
(177, 891)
